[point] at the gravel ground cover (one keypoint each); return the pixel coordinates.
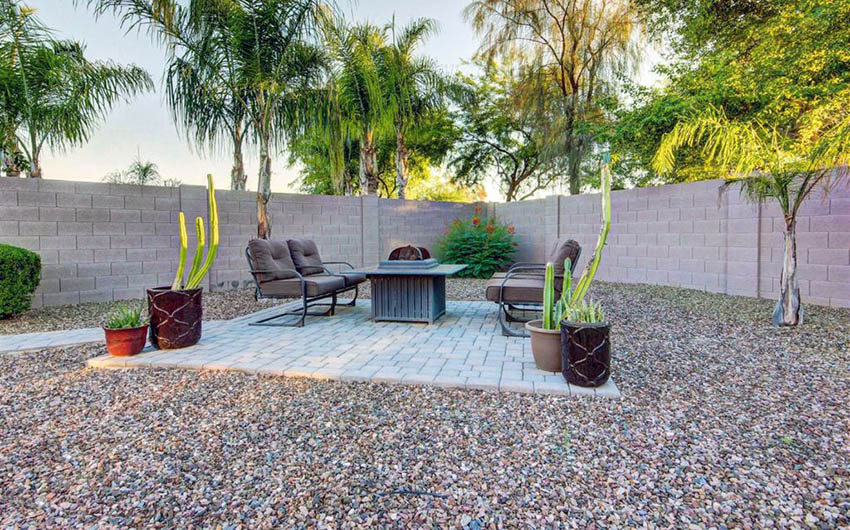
(218, 305)
(725, 422)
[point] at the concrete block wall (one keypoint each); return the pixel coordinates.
(416, 222)
(103, 242)
(530, 233)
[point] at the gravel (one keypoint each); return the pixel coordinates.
(218, 305)
(726, 421)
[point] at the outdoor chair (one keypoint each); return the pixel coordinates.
(294, 269)
(520, 288)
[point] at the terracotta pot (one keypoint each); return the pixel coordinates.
(125, 342)
(585, 353)
(175, 317)
(545, 346)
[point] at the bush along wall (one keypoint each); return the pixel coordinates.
(20, 271)
(485, 244)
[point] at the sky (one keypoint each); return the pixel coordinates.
(144, 127)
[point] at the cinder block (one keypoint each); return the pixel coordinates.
(829, 256)
(110, 255)
(9, 228)
(48, 285)
(125, 216)
(76, 256)
(36, 198)
(74, 200)
(92, 241)
(97, 295)
(126, 268)
(132, 293)
(111, 282)
(139, 203)
(57, 242)
(93, 270)
(125, 241)
(107, 229)
(76, 284)
(99, 215)
(57, 214)
(107, 201)
(27, 242)
(37, 228)
(76, 228)
(56, 299)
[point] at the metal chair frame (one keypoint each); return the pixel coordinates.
(306, 301)
(519, 270)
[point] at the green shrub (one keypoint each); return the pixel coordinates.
(20, 271)
(484, 243)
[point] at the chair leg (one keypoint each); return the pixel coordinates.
(507, 331)
(353, 302)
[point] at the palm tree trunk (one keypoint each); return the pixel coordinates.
(35, 163)
(401, 158)
(788, 311)
(264, 190)
(368, 165)
(238, 178)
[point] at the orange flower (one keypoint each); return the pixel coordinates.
(477, 209)
(490, 229)
(476, 221)
(456, 222)
(511, 229)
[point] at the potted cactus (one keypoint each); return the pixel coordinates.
(126, 331)
(176, 311)
(571, 325)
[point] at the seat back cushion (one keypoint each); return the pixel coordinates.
(565, 248)
(306, 256)
(273, 256)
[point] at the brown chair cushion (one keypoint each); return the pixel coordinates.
(352, 278)
(268, 255)
(565, 248)
(316, 284)
(306, 256)
(516, 290)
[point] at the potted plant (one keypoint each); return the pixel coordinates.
(553, 345)
(126, 331)
(176, 311)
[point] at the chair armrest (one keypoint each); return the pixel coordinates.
(350, 266)
(526, 264)
(254, 273)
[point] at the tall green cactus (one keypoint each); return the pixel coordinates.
(590, 270)
(181, 261)
(549, 297)
(200, 266)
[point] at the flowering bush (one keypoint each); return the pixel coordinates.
(485, 244)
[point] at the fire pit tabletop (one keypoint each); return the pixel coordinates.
(446, 269)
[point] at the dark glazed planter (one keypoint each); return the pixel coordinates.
(125, 342)
(175, 317)
(585, 353)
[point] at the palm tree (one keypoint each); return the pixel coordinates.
(770, 163)
(49, 92)
(205, 107)
(412, 87)
(355, 92)
(261, 51)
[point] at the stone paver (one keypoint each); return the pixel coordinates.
(464, 349)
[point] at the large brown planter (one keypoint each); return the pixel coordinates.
(125, 342)
(545, 346)
(585, 353)
(175, 317)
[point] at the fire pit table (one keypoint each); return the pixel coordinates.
(409, 291)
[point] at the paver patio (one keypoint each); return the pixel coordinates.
(463, 349)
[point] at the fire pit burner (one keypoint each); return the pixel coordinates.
(409, 257)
